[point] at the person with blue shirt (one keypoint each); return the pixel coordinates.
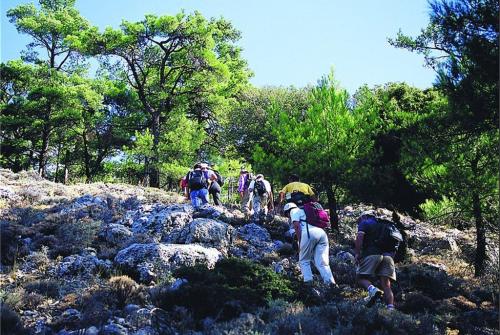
(372, 261)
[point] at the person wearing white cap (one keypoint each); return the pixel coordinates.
(262, 194)
(313, 247)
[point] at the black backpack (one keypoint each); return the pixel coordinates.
(299, 198)
(220, 180)
(260, 187)
(197, 180)
(389, 237)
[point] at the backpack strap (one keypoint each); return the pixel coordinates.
(307, 228)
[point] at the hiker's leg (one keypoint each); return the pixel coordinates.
(385, 282)
(305, 257)
(321, 260)
(366, 268)
(256, 207)
(264, 199)
(203, 194)
(364, 282)
(216, 196)
(195, 201)
(245, 202)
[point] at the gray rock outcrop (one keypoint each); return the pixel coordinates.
(153, 259)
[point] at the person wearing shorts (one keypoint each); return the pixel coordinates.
(371, 261)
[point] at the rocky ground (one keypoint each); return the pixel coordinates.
(120, 259)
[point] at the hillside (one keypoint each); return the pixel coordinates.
(121, 259)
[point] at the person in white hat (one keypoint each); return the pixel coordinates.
(313, 247)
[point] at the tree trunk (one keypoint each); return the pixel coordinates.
(42, 160)
(332, 205)
(66, 170)
(480, 260)
(58, 158)
(154, 173)
(86, 158)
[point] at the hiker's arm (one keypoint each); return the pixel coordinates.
(298, 231)
(358, 244)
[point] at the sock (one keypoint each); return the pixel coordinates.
(390, 306)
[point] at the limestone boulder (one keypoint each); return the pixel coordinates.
(150, 260)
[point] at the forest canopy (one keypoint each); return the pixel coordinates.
(172, 90)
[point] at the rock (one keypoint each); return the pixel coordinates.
(178, 283)
(146, 331)
(113, 329)
(131, 308)
(210, 233)
(254, 234)
(71, 315)
(82, 202)
(346, 257)
(115, 233)
(220, 213)
(92, 331)
(140, 318)
(81, 264)
(163, 258)
(257, 242)
(165, 223)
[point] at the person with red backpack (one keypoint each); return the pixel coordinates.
(313, 244)
(375, 246)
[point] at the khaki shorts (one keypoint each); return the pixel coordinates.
(377, 265)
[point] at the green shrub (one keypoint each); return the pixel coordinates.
(232, 287)
(76, 235)
(10, 322)
(125, 290)
(48, 288)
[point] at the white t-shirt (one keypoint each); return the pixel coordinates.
(266, 185)
(297, 214)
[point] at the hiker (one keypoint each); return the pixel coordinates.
(374, 258)
(262, 196)
(183, 184)
(296, 191)
(313, 245)
(215, 185)
(198, 182)
(245, 196)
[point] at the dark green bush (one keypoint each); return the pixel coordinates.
(76, 235)
(48, 288)
(10, 322)
(232, 287)
(416, 302)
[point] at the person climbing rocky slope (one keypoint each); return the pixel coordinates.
(120, 259)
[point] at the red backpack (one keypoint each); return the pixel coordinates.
(316, 215)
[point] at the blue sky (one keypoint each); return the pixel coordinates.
(287, 42)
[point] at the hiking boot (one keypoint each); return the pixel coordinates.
(373, 296)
